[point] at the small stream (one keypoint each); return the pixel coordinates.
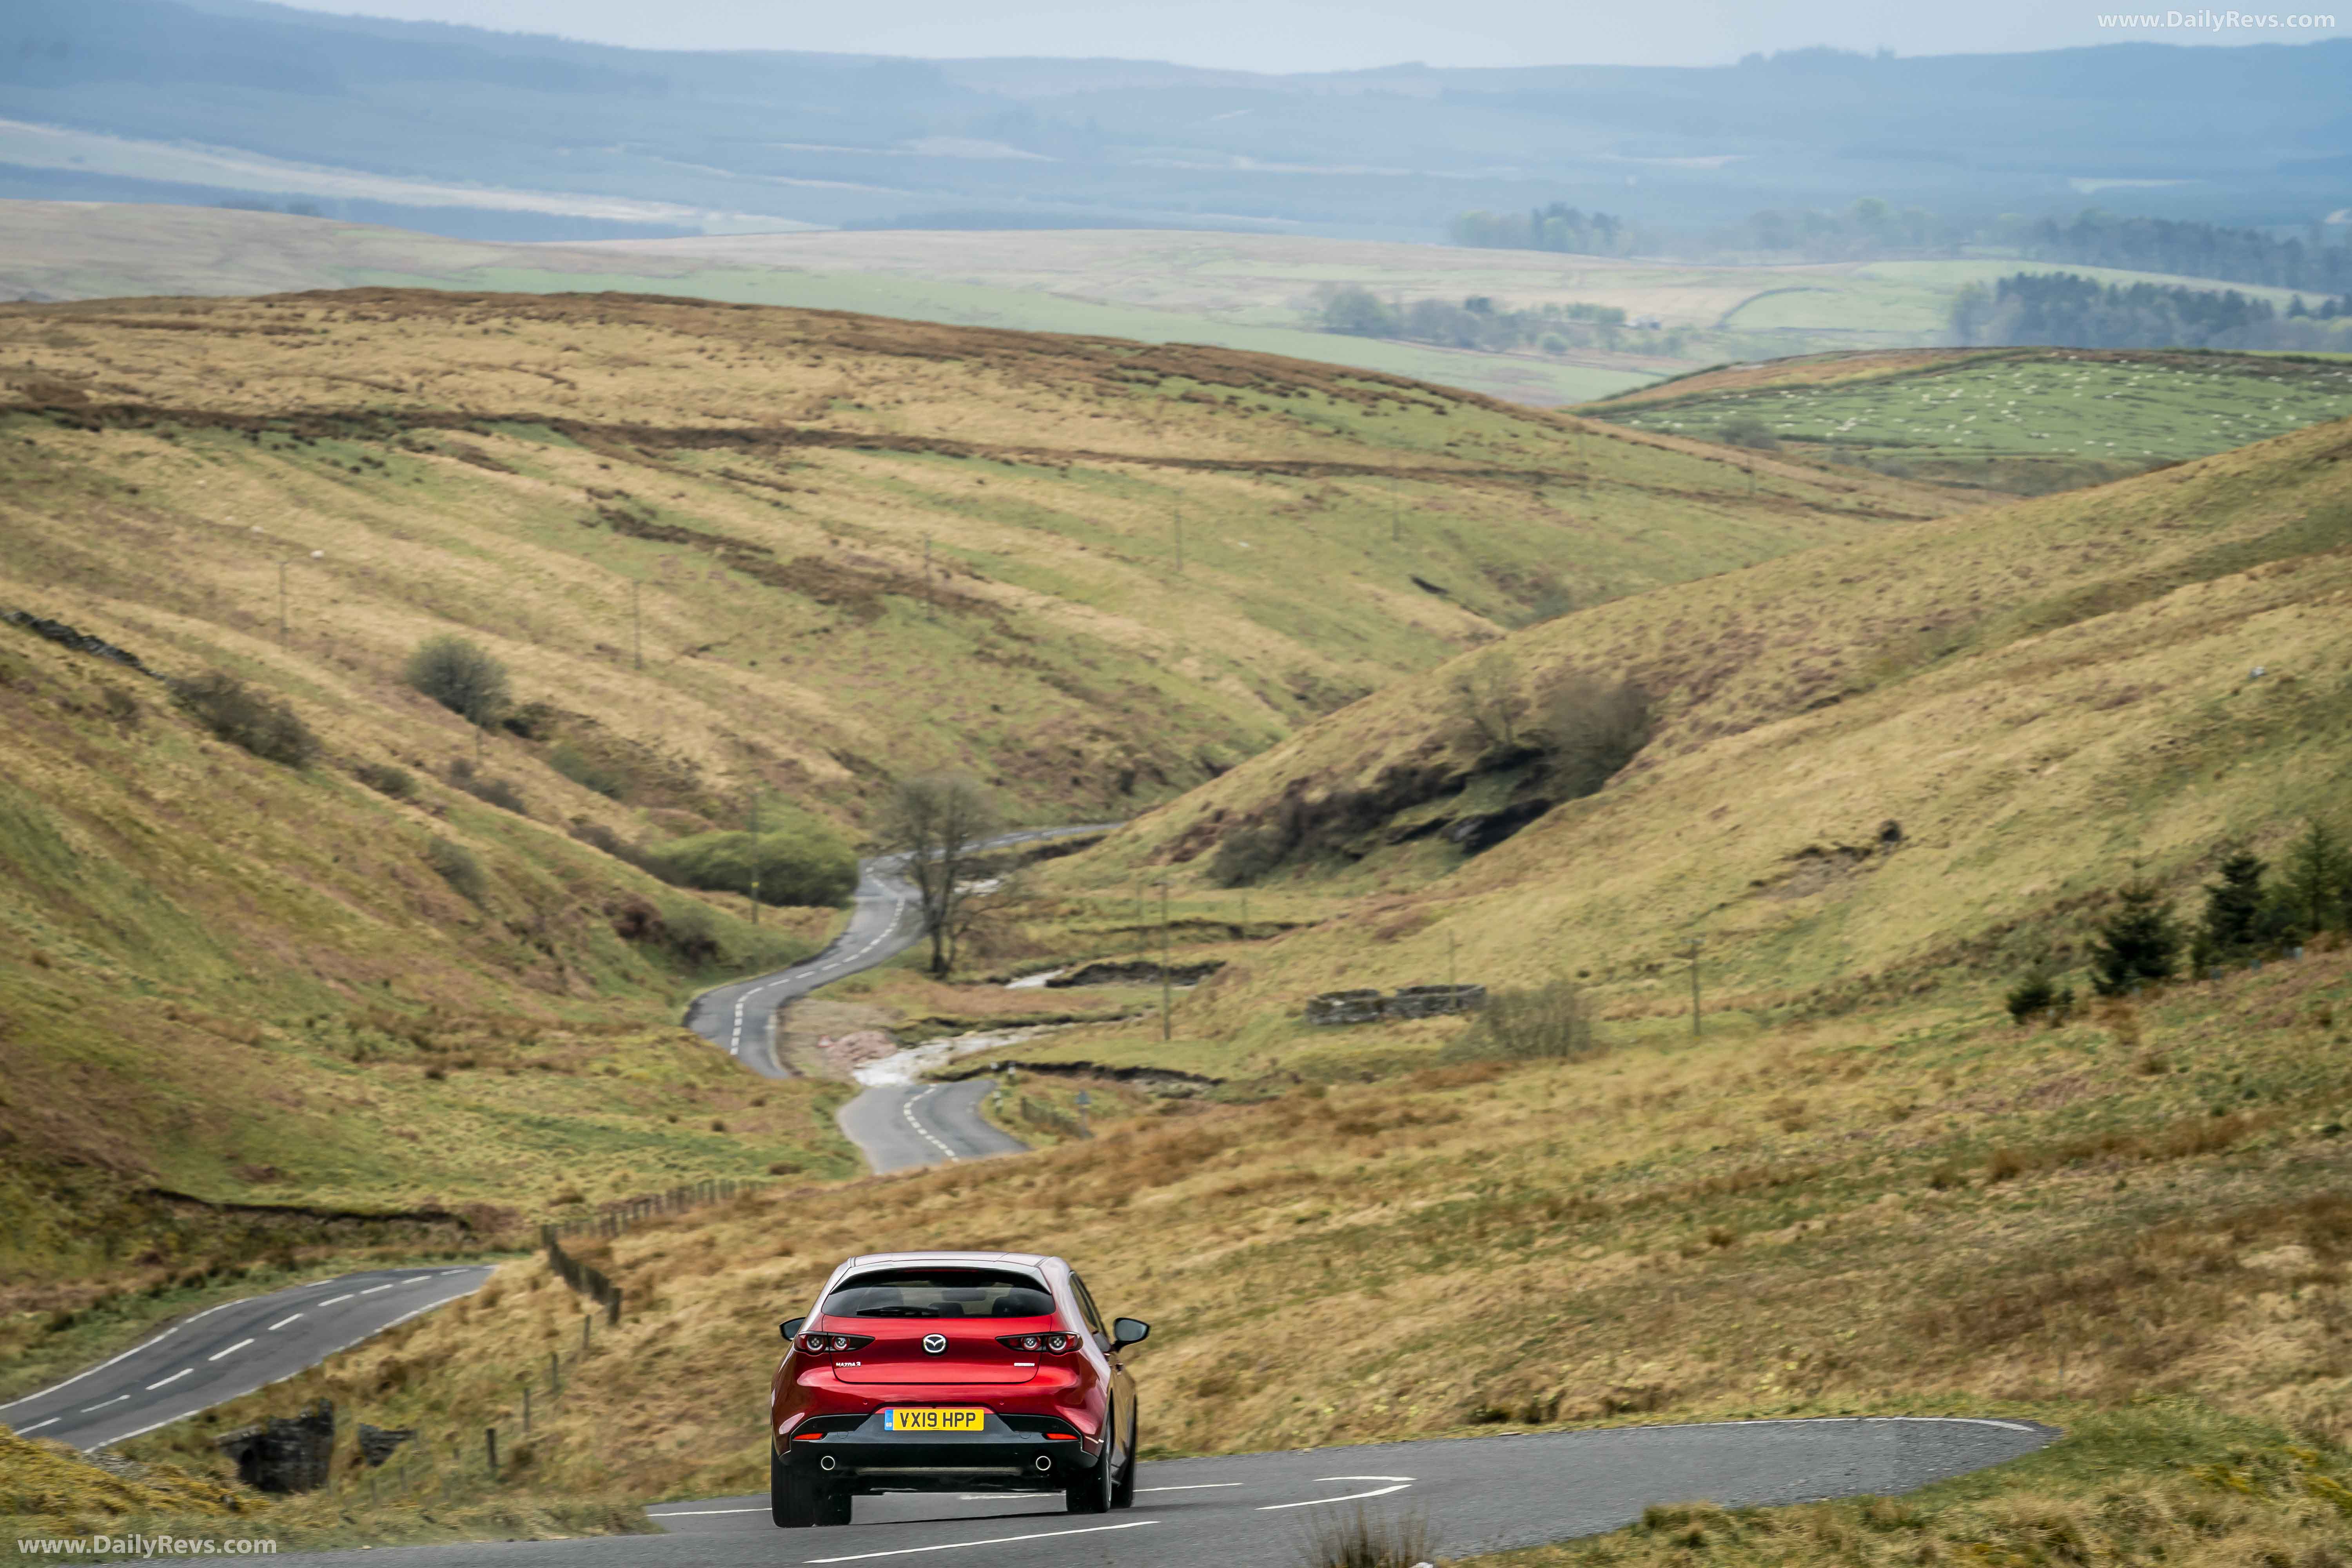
(909, 1066)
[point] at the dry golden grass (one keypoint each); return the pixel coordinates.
(1814, 1220)
(244, 982)
(47, 1489)
(777, 479)
(2039, 696)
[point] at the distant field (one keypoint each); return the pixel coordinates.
(1229, 291)
(2014, 418)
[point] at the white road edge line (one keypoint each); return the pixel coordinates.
(993, 1540)
(279, 1324)
(1193, 1486)
(696, 1513)
(1352, 1496)
(231, 1351)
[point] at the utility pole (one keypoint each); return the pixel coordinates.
(1690, 951)
(1167, 986)
(755, 852)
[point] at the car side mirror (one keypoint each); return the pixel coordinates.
(791, 1326)
(1129, 1330)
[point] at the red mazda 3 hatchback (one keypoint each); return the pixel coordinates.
(934, 1372)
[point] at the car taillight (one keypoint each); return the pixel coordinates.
(824, 1345)
(1054, 1344)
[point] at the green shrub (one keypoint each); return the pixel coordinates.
(1245, 857)
(690, 932)
(2141, 942)
(2031, 995)
(1589, 729)
(805, 863)
(386, 779)
(461, 677)
(500, 792)
(587, 771)
(457, 866)
(236, 713)
(1746, 430)
(1551, 1022)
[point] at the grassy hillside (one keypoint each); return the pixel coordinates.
(411, 978)
(251, 1012)
(2134, 1228)
(2027, 420)
(770, 487)
(2038, 698)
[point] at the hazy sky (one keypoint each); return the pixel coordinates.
(1306, 35)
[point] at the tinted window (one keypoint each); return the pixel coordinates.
(1085, 1304)
(939, 1293)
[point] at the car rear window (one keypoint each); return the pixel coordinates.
(939, 1293)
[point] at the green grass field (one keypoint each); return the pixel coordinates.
(2003, 415)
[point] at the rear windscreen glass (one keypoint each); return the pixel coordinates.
(939, 1293)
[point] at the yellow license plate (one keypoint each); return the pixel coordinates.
(933, 1418)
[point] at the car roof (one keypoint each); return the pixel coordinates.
(885, 1260)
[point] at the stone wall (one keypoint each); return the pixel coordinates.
(1369, 1006)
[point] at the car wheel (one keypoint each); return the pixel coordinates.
(791, 1496)
(1090, 1491)
(832, 1506)
(1122, 1490)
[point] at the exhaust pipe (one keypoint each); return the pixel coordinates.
(826, 1463)
(1044, 1463)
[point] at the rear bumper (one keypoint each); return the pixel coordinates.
(1002, 1457)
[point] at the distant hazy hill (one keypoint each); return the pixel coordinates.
(223, 97)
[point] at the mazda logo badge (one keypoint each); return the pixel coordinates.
(937, 1344)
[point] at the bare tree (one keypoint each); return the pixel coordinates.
(1487, 691)
(938, 823)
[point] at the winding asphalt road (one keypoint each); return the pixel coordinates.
(896, 1125)
(230, 1350)
(1257, 1511)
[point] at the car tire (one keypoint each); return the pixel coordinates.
(1091, 1492)
(1122, 1490)
(832, 1505)
(791, 1496)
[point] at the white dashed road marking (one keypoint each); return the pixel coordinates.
(38, 1425)
(1194, 1487)
(103, 1404)
(231, 1351)
(332, 1300)
(907, 1110)
(1401, 1482)
(279, 1324)
(173, 1378)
